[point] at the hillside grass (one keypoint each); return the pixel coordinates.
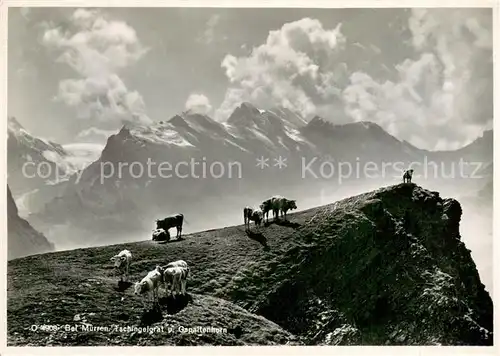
(52, 288)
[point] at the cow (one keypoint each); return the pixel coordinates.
(149, 285)
(279, 205)
(122, 263)
(178, 263)
(161, 235)
(251, 214)
(286, 205)
(276, 202)
(176, 276)
(174, 220)
(265, 207)
(407, 176)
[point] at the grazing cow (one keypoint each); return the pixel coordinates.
(122, 263)
(251, 214)
(175, 220)
(161, 235)
(407, 175)
(149, 285)
(177, 278)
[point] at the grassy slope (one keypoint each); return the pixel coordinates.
(52, 288)
(353, 272)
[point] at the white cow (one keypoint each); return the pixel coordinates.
(176, 276)
(168, 279)
(122, 263)
(149, 285)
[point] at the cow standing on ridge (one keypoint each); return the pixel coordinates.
(285, 205)
(281, 205)
(265, 207)
(251, 214)
(407, 176)
(276, 202)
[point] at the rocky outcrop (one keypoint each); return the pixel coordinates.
(386, 267)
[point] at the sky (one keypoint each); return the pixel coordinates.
(424, 75)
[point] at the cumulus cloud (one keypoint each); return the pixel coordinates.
(94, 45)
(443, 98)
(439, 97)
(198, 103)
(97, 48)
(294, 66)
(106, 98)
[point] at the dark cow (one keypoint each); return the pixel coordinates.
(407, 175)
(265, 207)
(251, 214)
(171, 221)
(285, 205)
(276, 202)
(279, 205)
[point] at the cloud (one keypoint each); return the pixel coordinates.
(105, 98)
(97, 48)
(209, 34)
(443, 98)
(293, 69)
(199, 104)
(439, 97)
(95, 135)
(81, 155)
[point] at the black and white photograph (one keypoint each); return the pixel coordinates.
(249, 176)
